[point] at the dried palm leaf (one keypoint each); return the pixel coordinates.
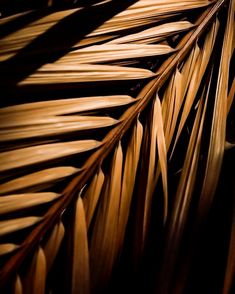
(34, 282)
(18, 288)
(64, 106)
(37, 154)
(33, 127)
(105, 207)
(39, 180)
(112, 52)
(103, 250)
(52, 244)
(183, 197)
(231, 96)
(13, 225)
(217, 137)
(62, 74)
(128, 181)
(10, 203)
(157, 144)
(171, 105)
(91, 196)
(162, 154)
(143, 12)
(32, 123)
(197, 75)
(21, 38)
(137, 15)
(8, 248)
(80, 279)
(154, 34)
(13, 17)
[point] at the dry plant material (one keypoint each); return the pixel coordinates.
(91, 196)
(187, 179)
(107, 53)
(184, 193)
(104, 206)
(218, 128)
(52, 244)
(128, 180)
(63, 106)
(197, 75)
(178, 100)
(231, 96)
(52, 123)
(81, 73)
(14, 225)
(22, 37)
(162, 154)
(80, 255)
(9, 18)
(17, 202)
(140, 13)
(144, 12)
(41, 153)
(17, 288)
(103, 249)
(8, 248)
(150, 172)
(154, 34)
(39, 180)
(153, 151)
(51, 126)
(157, 144)
(34, 282)
(188, 67)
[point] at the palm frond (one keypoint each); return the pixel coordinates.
(218, 128)
(8, 248)
(113, 134)
(34, 280)
(37, 181)
(80, 254)
(37, 154)
(52, 244)
(18, 286)
(91, 197)
(13, 225)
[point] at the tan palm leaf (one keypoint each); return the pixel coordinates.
(114, 128)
